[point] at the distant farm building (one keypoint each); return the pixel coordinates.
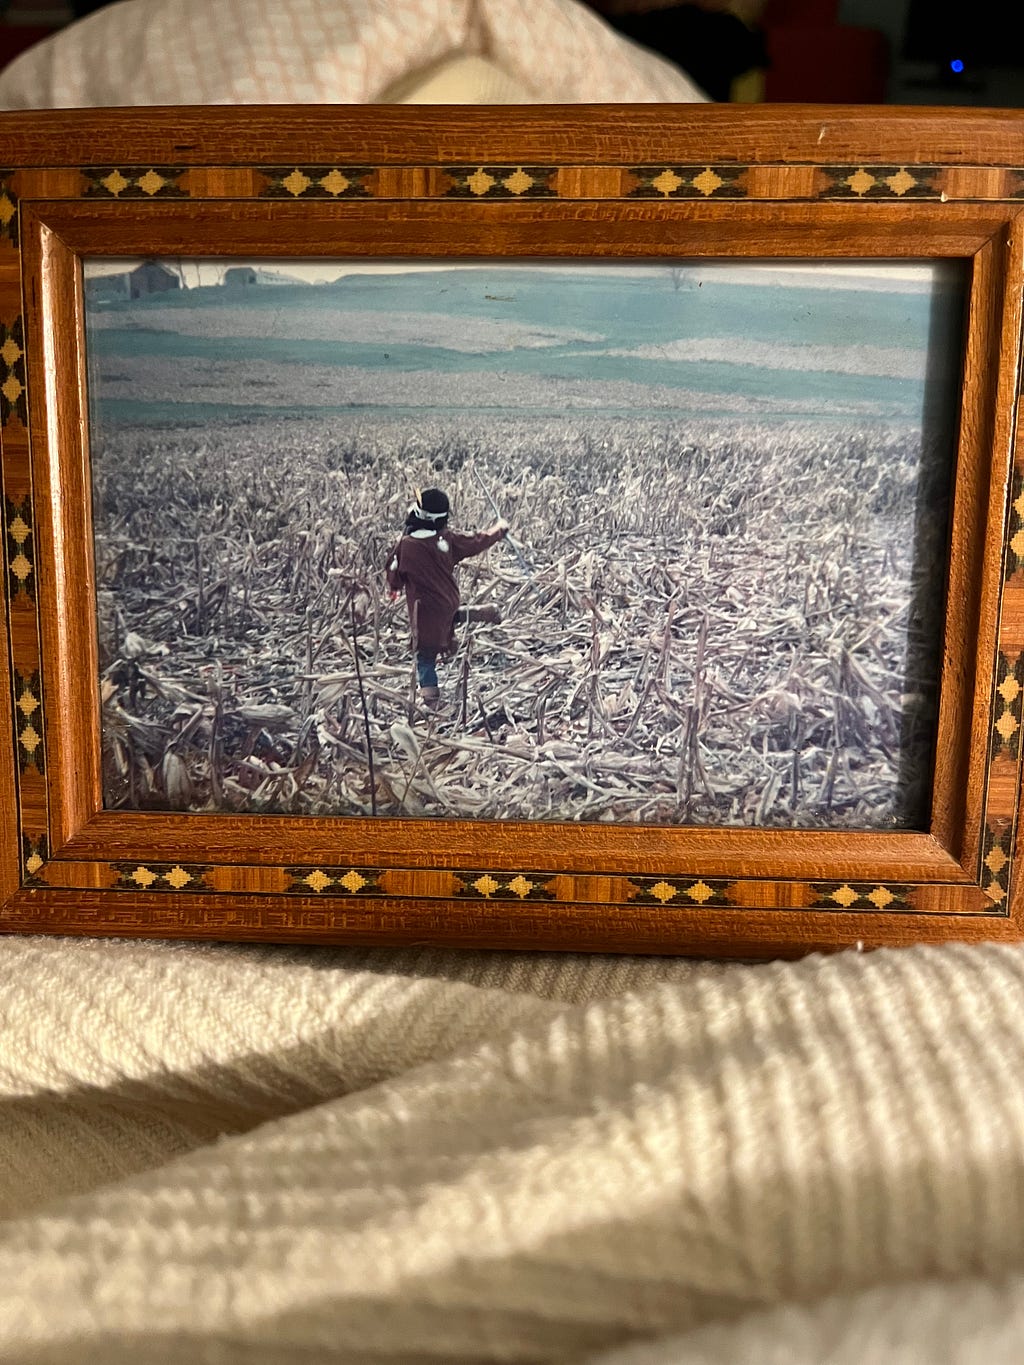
(148, 278)
(101, 288)
(151, 278)
(239, 275)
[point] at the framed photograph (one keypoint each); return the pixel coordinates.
(591, 528)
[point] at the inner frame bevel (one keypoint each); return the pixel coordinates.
(147, 232)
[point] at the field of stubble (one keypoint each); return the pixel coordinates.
(734, 625)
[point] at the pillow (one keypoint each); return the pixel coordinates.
(172, 52)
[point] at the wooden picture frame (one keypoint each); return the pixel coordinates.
(644, 183)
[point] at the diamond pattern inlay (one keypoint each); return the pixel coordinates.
(151, 183)
(860, 896)
(115, 183)
(901, 182)
(8, 210)
(27, 703)
(134, 182)
(34, 854)
(296, 183)
(28, 717)
(333, 881)
(161, 877)
(1015, 530)
(499, 182)
(335, 183)
(1008, 709)
(707, 182)
(1009, 689)
(518, 182)
(19, 548)
(500, 886)
(480, 182)
(860, 182)
(18, 519)
(667, 183)
(680, 891)
(686, 182)
(879, 182)
(996, 860)
(314, 182)
(12, 373)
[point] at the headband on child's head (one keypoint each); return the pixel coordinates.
(418, 510)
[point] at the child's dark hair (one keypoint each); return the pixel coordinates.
(429, 512)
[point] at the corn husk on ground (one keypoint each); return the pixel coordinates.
(730, 623)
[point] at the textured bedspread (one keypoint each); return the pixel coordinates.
(221, 1154)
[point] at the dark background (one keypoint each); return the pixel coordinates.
(844, 51)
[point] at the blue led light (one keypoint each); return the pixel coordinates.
(956, 65)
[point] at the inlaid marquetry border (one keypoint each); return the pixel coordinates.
(997, 862)
(28, 710)
(502, 182)
(8, 209)
(332, 881)
(34, 858)
(316, 182)
(1015, 533)
(151, 876)
(681, 890)
(13, 393)
(1010, 704)
(133, 182)
(862, 181)
(862, 896)
(20, 556)
(345, 882)
(509, 181)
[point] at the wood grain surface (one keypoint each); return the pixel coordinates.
(637, 183)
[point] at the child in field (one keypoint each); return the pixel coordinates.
(423, 563)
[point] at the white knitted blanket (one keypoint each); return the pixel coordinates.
(221, 1154)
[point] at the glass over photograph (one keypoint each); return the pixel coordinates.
(658, 544)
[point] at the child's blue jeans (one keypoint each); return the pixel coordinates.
(426, 667)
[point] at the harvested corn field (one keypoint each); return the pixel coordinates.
(726, 484)
(722, 621)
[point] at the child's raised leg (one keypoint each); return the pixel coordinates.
(426, 676)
